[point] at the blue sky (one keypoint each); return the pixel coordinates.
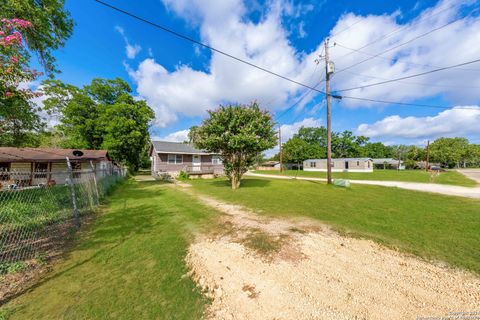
(180, 80)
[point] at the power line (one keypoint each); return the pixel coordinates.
(175, 33)
(415, 83)
(261, 68)
(389, 59)
(342, 31)
(399, 45)
(410, 76)
(303, 96)
(407, 104)
(398, 29)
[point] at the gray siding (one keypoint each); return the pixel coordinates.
(160, 163)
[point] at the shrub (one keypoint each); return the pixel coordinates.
(182, 175)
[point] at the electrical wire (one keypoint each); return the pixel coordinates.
(410, 76)
(399, 45)
(271, 72)
(389, 59)
(175, 33)
(399, 29)
(415, 83)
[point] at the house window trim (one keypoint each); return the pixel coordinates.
(216, 160)
(174, 157)
(313, 164)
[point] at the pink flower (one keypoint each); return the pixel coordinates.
(8, 94)
(14, 59)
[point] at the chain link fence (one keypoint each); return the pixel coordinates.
(39, 210)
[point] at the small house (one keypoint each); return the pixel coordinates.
(388, 163)
(269, 165)
(340, 165)
(173, 157)
(35, 166)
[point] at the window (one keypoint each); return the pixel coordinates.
(41, 169)
(313, 164)
(175, 158)
(358, 163)
(216, 160)
(4, 168)
(332, 164)
(368, 164)
(76, 167)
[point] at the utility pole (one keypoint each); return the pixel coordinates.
(328, 71)
(428, 155)
(280, 145)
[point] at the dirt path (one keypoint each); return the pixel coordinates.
(416, 186)
(318, 274)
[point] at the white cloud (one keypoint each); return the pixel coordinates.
(448, 46)
(448, 123)
(225, 25)
(288, 130)
(178, 136)
(130, 49)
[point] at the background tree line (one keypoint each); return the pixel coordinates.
(311, 143)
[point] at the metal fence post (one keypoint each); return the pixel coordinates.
(95, 182)
(76, 215)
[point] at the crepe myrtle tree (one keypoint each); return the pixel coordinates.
(238, 133)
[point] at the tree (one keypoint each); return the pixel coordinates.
(239, 134)
(18, 115)
(346, 144)
(53, 26)
(102, 115)
(376, 150)
(297, 150)
(450, 152)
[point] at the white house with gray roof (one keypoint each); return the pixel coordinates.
(340, 165)
(173, 157)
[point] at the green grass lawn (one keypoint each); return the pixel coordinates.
(448, 177)
(429, 225)
(128, 265)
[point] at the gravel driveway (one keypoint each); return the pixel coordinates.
(318, 274)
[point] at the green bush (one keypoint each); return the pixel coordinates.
(182, 175)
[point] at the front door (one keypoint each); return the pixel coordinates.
(196, 162)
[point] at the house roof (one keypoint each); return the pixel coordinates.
(270, 163)
(341, 159)
(176, 147)
(10, 154)
(386, 160)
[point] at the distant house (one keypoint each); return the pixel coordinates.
(269, 165)
(388, 163)
(33, 166)
(340, 165)
(173, 157)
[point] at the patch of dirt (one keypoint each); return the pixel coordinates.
(319, 274)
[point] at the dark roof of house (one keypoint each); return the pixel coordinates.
(176, 147)
(10, 154)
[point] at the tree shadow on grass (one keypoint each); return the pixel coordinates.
(246, 183)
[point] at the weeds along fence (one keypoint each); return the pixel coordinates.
(39, 210)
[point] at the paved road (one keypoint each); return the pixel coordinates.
(424, 187)
(473, 174)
